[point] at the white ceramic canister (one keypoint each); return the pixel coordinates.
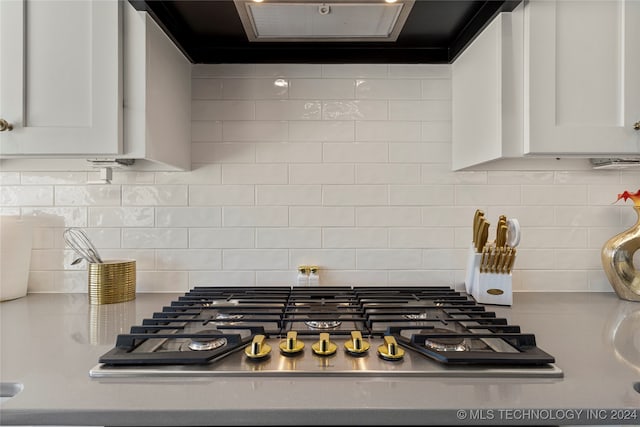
(16, 234)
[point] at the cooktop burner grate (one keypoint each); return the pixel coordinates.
(436, 327)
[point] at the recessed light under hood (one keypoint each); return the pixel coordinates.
(335, 21)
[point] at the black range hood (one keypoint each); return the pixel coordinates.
(212, 32)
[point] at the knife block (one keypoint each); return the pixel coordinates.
(493, 288)
(473, 268)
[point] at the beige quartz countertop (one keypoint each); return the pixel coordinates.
(49, 342)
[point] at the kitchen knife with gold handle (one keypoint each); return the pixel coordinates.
(501, 235)
(476, 225)
(483, 235)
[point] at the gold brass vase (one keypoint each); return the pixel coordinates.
(617, 260)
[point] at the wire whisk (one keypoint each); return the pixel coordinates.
(77, 240)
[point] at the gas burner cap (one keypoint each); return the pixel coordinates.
(204, 344)
(452, 343)
(323, 324)
(228, 316)
(417, 316)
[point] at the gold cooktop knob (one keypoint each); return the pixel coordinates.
(324, 347)
(258, 348)
(357, 346)
(291, 345)
(390, 349)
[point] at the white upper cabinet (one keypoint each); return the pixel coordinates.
(551, 78)
(60, 77)
(93, 80)
(583, 77)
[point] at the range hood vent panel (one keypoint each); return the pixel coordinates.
(353, 20)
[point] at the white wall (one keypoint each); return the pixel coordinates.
(343, 166)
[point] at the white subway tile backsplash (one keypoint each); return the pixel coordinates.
(50, 178)
(223, 110)
(390, 216)
(483, 195)
(422, 277)
(312, 216)
(438, 173)
(555, 237)
(591, 216)
(145, 259)
(535, 259)
(224, 238)
(121, 217)
(288, 110)
(361, 237)
(322, 88)
(520, 177)
(341, 131)
(436, 131)
(326, 259)
(206, 89)
(104, 238)
(221, 195)
(387, 89)
(253, 174)
(97, 195)
(9, 178)
(188, 259)
(387, 174)
(433, 153)
(444, 259)
(355, 70)
(288, 195)
(276, 278)
(257, 216)
(425, 237)
(421, 195)
(297, 152)
(436, 89)
(162, 281)
(345, 166)
(59, 217)
(355, 110)
(391, 131)
(420, 110)
(587, 177)
(553, 195)
(26, 196)
(388, 259)
(200, 174)
(355, 152)
(206, 131)
(222, 278)
(255, 259)
(287, 70)
(247, 130)
(321, 173)
(154, 195)
(188, 217)
(354, 277)
(271, 88)
(288, 238)
(354, 195)
(452, 216)
(137, 238)
(425, 71)
(577, 259)
(223, 153)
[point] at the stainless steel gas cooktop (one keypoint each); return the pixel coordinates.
(326, 331)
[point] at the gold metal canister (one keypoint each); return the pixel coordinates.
(112, 281)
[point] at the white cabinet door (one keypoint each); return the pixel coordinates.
(60, 77)
(487, 107)
(582, 77)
